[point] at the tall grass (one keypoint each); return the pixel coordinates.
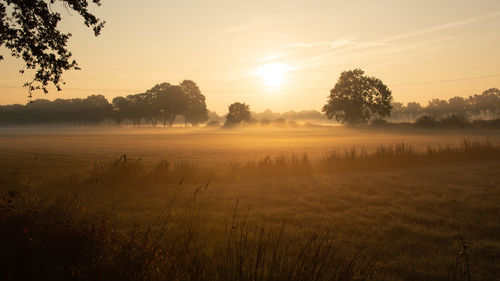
(366, 158)
(129, 172)
(60, 240)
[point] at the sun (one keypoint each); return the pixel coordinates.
(272, 75)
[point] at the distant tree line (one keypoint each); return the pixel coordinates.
(161, 104)
(311, 115)
(484, 106)
(166, 104)
(357, 99)
(92, 110)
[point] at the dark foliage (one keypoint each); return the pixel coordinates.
(238, 112)
(480, 106)
(196, 109)
(379, 123)
(163, 103)
(426, 121)
(356, 98)
(92, 110)
(29, 30)
(60, 241)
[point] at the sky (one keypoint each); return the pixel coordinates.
(278, 54)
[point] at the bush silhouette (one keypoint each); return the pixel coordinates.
(426, 121)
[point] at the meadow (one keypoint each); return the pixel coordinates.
(325, 203)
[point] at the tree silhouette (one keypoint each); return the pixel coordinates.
(356, 98)
(457, 106)
(238, 112)
(437, 108)
(92, 110)
(164, 102)
(412, 110)
(29, 30)
(121, 109)
(486, 104)
(196, 109)
(168, 102)
(397, 110)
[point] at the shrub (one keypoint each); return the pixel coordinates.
(213, 124)
(454, 121)
(378, 123)
(426, 121)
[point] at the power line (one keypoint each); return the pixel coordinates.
(446, 80)
(262, 90)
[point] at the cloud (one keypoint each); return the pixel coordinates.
(390, 44)
(273, 57)
(442, 26)
(329, 44)
(384, 41)
(254, 23)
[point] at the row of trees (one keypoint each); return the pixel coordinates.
(161, 104)
(480, 106)
(304, 115)
(92, 110)
(357, 99)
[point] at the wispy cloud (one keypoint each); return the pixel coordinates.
(385, 40)
(389, 44)
(273, 57)
(328, 44)
(441, 27)
(254, 23)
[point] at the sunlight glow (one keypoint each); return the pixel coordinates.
(272, 74)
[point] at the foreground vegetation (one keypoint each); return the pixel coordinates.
(59, 241)
(389, 212)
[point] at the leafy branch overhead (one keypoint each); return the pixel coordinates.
(28, 29)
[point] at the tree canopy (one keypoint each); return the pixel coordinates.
(163, 103)
(238, 112)
(196, 108)
(356, 98)
(479, 106)
(29, 30)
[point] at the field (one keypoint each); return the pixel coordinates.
(348, 204)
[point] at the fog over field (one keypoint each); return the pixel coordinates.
(249, 140)
(81, 146)
(393, 204)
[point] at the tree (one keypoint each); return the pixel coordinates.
(437, 108)
(486, 104)
(397, 110)
(168, 102)
(356, 98)
(412, 110)
(29, 30)
(94, 109)
(457, 106)
(121, 109)
(238, 112)
(196, 110)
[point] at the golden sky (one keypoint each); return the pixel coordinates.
(282, 54)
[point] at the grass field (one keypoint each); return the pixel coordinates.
(275, 204)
